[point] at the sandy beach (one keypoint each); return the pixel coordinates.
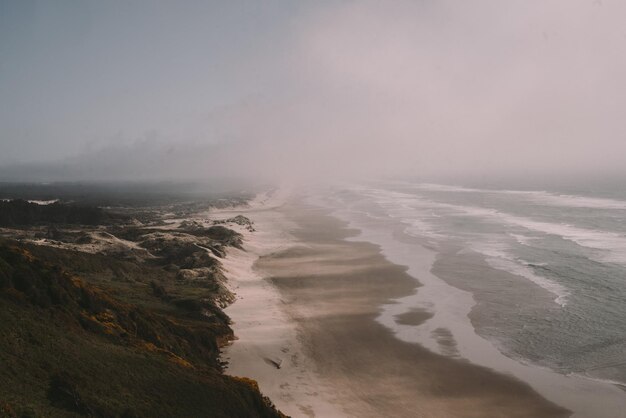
(268, 348)
(308, 300)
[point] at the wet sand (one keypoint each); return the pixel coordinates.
(332, 290)
(414, 317)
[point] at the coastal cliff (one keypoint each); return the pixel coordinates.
(118, 321)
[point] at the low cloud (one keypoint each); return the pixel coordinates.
(440, 89)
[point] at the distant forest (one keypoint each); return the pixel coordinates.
(22, 212)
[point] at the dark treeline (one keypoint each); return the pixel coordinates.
(128, 194)
(22, 212)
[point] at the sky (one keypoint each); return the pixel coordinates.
(273, 90)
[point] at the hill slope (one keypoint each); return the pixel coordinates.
(89, 335)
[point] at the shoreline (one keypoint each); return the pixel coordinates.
(267, 347)
(314, 276)
(452, 308)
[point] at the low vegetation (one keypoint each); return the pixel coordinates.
(24, 213)
(94, 335)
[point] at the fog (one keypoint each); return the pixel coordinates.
(449, 90)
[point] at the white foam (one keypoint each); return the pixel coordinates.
(522, 239)
(448, 188)
(610, 245)
(537, 196)
(420, 227)
(554, 199)
(450, 308)
(499, 257)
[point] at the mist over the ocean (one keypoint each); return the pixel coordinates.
(441, 90)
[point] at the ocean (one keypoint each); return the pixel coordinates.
(539, 274)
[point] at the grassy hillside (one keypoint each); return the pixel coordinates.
(89, 335)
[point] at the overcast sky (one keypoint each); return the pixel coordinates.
(283, 89)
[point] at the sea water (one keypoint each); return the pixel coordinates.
(546, 268)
